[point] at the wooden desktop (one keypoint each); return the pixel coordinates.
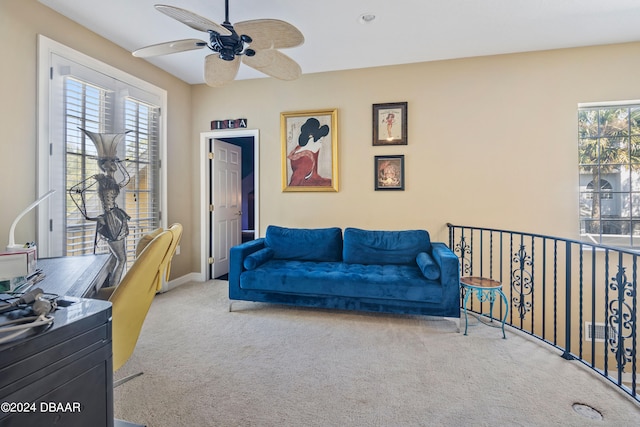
(75, 276)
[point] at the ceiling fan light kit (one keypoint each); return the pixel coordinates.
(255, 43)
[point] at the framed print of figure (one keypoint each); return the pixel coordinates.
(309, 150)
(389, 172)
(390, 124)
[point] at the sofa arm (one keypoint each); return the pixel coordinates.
(448, 263)
(237, 255)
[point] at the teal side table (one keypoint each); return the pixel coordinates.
(485, 290)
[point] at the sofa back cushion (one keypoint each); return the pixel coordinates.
(384, 247)
(305, 244)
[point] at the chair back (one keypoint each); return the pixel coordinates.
(133, 296)
(176, 232)
(145, 239)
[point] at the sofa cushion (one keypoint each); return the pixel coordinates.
(384, 247)
(388, 282)
(258, 258)
(428, 266)
(305, 244)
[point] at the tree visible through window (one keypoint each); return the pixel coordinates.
(609, 160)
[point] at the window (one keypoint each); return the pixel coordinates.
(609, 162)
(605, 190)
(84, 93)
(86, 106)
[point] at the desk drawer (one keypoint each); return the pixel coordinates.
(78, 394)
(52, 358)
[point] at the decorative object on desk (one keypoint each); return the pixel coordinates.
(12, 241)
(16, 267)
(389, 172)
(19, 261)
(111, 223)
(309, 150)
(390, 124)
(37, 309)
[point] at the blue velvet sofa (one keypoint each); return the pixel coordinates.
(380, 271)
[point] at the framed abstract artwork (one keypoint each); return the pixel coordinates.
(309, 150)
(390, 124)
(389, 172)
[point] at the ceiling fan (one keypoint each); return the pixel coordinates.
(256, 42)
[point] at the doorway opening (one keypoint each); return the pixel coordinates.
(246, 143)
(216, 240)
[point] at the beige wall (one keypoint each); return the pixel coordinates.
(492, 140)
(20, 22)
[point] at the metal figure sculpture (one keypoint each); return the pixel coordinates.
(111, 224)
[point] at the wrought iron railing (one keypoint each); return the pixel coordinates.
(578, 297)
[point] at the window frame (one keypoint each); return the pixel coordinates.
(48, 50)
(609, 194)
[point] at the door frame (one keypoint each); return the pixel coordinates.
(205, 229)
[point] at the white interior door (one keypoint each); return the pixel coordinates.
(226, 213)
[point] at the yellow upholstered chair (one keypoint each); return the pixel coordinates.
(133, 296)
(104, 293)
(176, 232)
(145, 239)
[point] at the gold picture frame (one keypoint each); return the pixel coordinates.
(390, 123)
(309, 150)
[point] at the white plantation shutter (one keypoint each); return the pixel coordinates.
(84, 93)
(84, 106)
(142, 160)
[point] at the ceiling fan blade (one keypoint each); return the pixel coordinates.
(274, 63)
(270, 33)
(193, 20)
(169, 47)
(217, 71)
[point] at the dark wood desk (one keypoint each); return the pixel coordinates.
(76, 276)
(61, 375)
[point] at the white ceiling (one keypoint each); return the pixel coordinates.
(404, 31)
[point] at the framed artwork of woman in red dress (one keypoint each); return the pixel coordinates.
(309, 150)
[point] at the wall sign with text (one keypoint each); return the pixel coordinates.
(228, 124)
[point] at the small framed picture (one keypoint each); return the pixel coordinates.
(389, 172)
(390, 124)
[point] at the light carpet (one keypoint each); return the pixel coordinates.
(271, 365)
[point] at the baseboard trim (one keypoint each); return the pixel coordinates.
(172, 284)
